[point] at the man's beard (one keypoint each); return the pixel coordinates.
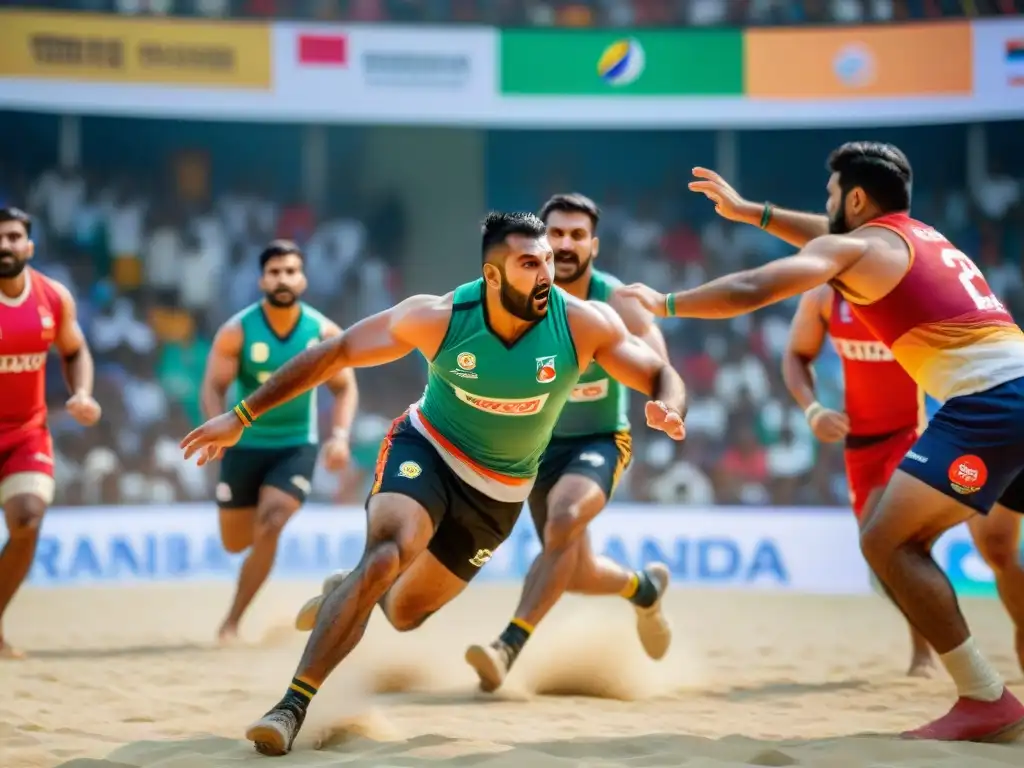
(579, 265)
(521, 305)
(11, 265)
(281, 298)
(837, 224)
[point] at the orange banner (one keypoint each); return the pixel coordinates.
(905, 60)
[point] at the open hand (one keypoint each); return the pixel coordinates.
(664, 419)
(728, 202)
(651, 300)
(211, 438)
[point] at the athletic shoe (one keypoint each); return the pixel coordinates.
(274, 733)
(305, 619)
(652, 625)
(491, 663)
(975, 720)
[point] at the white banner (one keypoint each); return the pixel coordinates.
(999, 62)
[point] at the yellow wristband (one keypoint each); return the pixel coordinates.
(243, 415)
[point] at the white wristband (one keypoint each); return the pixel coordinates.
(813, 410)
(340, 433)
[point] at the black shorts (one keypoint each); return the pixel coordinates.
(243, 471)
(468, 524)
(1013, 496)
(602, 458)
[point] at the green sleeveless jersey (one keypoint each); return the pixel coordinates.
(263, 352)
(598, 404)
(493, 405)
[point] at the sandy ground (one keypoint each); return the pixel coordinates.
(130, 677)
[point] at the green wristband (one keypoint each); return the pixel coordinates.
(766, 215)
(670, 305)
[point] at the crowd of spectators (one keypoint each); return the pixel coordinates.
(559, 13)
(155, 272)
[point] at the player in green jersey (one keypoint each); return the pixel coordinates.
(582, 464)
(504, 354)
(267, 476)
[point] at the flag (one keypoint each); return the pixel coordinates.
(1014, 60)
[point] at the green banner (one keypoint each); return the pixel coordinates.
(610, 63)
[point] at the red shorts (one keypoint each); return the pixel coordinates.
(26, 463)
(872, 465)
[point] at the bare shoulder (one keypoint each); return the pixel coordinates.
(593, 320)
(228, 339)
(423, 309)
(882, 239)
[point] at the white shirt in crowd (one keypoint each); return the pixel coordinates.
(59, 198)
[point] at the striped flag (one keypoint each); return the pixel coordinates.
(323, 50)
(1015, 61)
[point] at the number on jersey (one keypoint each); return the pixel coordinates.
(969, 272)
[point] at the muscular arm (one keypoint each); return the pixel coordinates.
(806, 338)
(795, 227)
(631, 361)
(343, 387)
(375, 340)
(221, 369)
(741, 292)
(639, 322)
(76, 359)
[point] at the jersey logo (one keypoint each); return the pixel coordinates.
(410, 470)
(845, 313)
(223, 492)
(502, 406)
(968, 474)
(481, 557)
(466, 362)
(262, 376)
(546, 369)
(863, 351)
(22, 363)
(589, 392)
(592, 458)
(301, 483)
(259, 352)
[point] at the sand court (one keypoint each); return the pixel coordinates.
(130, 677)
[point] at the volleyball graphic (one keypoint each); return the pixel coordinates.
(622, 62)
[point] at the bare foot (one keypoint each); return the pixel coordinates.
(9, 652)
(922, 666)
(227, 635)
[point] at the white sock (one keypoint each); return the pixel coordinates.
(975, 678)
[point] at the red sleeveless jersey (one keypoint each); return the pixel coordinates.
(941, 321)
(28, 326)
(879, 396)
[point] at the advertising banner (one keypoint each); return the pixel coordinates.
(116, 49)
(999, 60)
(602, 63)
(933, 59)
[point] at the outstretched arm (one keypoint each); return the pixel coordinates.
(221, 368)
(346, 392)
(633, 363)
(747, 291)
(795, 227)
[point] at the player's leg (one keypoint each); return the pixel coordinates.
(997, 537)
(237, 494)
(949, 476)
(24, 497)
(407, 500)
(922, 662)
(287, 480)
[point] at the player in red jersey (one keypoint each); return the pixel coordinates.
(36, 313)
(883, 415)
(931, 306)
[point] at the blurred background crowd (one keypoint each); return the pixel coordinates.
(155, 225)
(560, 13)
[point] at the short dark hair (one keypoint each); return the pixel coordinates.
(499, 225)
(881, 170)
(277, 248)
(572, 202)
(16, 214)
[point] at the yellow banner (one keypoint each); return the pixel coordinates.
(114, 49)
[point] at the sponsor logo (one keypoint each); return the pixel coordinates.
(301, 483)
(481, 557)
(622, 62)
(259, 352)
(223, 492)
(845, 313)
(546, 369)
(917, 457)
(22, 363)
(589, 392)
(416, 69)
(863, 351)
(322, 50)
(502, 406)
(410, 470)
(263, 376)
(42, 458)
(1014, 59)
(466, 362)
(592, 458)
(968, 474)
